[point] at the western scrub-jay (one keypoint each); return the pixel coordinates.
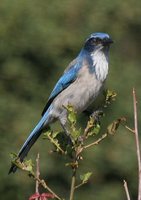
(80, 84)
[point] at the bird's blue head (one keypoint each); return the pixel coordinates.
(98, 41)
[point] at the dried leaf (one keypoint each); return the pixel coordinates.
(112, 128)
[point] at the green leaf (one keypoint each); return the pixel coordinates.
(85, 177)
(72, 117)
(76, 133)
(93, 127)
(95, 130)
(13, 156)
(54, 134)
(28, 165)
(110, 96)
(71, 114)
(46, 134)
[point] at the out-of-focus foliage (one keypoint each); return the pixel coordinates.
(37, 41)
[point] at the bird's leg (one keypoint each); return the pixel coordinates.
(65, 129)
(63, 122)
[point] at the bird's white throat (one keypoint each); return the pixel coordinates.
(100, 62)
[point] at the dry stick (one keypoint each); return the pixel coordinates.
(37, 174)
(126, 189)
(137, 143)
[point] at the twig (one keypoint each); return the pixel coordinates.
(73, 184)
(90, 124)
(97, 141)
(129, 129)
(86, 131)
(126, 189)
(78, 186)
(137, 143)
(37, 174)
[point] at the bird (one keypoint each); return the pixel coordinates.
(80, 84)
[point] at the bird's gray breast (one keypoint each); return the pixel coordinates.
(81, 93)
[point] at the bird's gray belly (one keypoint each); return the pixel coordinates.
(80, 94)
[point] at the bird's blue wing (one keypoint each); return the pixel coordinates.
(66, 79)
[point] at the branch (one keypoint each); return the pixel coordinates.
(37, 174)
(129, 129)
(97, 141)
(43, 183)
(78, 186)
(126, 189)
(73, 184)
(137, 143)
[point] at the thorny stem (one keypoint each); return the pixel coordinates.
(137, 143)
(126, 189)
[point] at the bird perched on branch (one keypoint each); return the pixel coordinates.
(80, 84)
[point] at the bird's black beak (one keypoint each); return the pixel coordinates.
(107, 41)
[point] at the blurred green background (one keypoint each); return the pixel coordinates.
(37, 41)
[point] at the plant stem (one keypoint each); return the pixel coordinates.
(37, 174)
(78, 186)
(126, 189)
(129, 129)
(137, 143)
(73, 184)
(97, 141)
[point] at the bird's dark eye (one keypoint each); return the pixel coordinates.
(95, 41)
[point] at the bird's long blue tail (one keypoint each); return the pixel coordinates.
(29, 142)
